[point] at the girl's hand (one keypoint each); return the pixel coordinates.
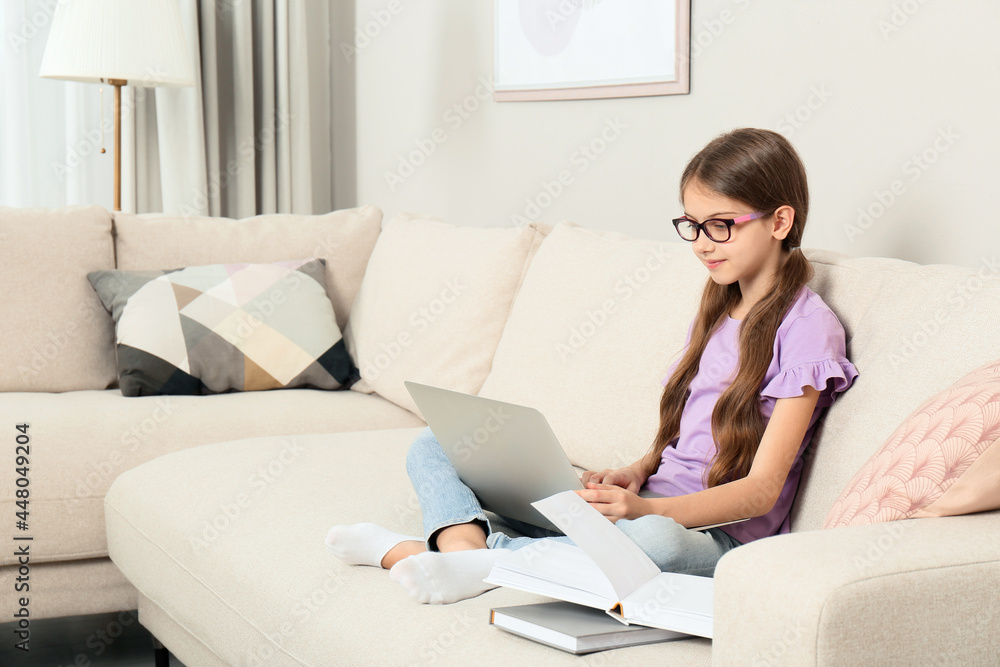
(625, 478)
(614, 502)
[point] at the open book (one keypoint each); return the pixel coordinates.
(607, 571)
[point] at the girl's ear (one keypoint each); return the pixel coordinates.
(784, 217)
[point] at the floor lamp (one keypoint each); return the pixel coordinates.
(118, 42)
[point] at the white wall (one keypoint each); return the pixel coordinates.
(881, 97)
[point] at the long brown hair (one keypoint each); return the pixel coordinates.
(761, 169)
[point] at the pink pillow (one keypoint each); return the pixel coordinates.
(944, 459)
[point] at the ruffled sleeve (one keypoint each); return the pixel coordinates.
(831, 376)
(810, 352)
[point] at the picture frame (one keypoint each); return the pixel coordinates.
(589, 49)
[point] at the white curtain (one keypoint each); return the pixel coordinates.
(252, 136)
(50, 131)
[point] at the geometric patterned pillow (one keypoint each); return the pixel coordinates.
(225, 327)
(943, 460)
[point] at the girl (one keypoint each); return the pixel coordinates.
(763, 357)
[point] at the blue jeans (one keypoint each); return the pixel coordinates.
(446, 501)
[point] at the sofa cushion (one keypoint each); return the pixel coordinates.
(595, 326)
(84, 440)
(343, 238)
(56, 336)
(433, 303)
(912, 331)
(256, 585)
(224, 327)
(941, 460)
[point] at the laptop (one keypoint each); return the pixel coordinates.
(506, 453)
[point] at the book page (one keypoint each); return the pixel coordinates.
(557, 570)
(674, 601)
(622, 561)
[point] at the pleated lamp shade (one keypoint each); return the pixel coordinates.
(140, 41)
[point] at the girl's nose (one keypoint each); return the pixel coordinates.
(702, 244)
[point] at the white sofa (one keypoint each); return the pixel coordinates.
(216, 518)
(59, 374)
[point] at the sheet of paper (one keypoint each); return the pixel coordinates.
(621, 560)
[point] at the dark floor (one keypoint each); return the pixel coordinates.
(114, 639)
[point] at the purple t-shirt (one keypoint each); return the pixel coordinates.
(809, 349)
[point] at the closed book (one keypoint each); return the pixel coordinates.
(575, 629)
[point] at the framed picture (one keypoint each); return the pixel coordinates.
(585, 49)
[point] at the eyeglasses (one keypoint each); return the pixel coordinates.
(716, 229)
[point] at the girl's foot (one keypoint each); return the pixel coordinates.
(402, 550)
(442, 578)
(371, 544)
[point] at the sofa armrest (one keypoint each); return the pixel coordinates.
(920, 591)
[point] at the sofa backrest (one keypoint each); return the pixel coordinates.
(345, 239)
(56, 334)
(598, 320)
(434, 302)
(600, 317)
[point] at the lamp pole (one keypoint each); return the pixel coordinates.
(118, 83)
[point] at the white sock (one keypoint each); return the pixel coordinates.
(363, 543)
(442, 578)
